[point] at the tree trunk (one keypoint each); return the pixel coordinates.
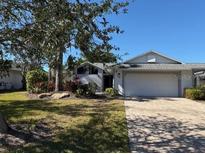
(3, 125)
(53, 75)
(58, 75)
(49, 74)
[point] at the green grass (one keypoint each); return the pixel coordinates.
(12, 96)
(77, 125)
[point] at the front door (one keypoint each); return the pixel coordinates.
(108, 81)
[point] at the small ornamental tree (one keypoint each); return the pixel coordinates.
(35, 78)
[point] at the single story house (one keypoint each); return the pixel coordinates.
(99, 73)
(150, 74)
(13, 81)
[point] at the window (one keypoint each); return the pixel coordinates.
(93, 70)
(81, 70)
(151, 59)
(89, 69)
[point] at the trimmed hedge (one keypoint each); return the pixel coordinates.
(195, 93)
(36, 81)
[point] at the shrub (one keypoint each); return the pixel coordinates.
(195, 94)
(92, 87)
(34, 78)
(202, 87)
(86, 89)
(111, 91)
(71, 85)
(82, 90)
(51, 86)
(40, 87)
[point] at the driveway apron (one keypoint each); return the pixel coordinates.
(165, 125)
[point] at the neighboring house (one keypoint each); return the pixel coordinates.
(153, 74)
(13, 81)
(99, 73)
(149, 74)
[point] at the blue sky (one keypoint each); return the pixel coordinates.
(175, 28)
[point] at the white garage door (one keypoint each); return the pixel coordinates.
(151, 84)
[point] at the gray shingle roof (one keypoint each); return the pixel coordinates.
(200, 74)
(154, 67)
(154, 52)
(102, 66)
(173, 67)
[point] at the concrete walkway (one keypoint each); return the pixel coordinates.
(166, 125)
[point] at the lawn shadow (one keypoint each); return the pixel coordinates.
(154, 135)
(10, 91)
(17, 109)
(103, 132)
(94, 136)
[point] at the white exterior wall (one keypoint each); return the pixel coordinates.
(13, 81)
(186, 80)
(118, 79)
(202, 82)
(96, 78)
(160, 84)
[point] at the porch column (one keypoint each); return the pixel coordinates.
(197, 81)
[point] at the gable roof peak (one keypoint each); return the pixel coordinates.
(154, 52)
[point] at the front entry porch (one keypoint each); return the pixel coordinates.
(107, 81)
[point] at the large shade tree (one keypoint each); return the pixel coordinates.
(12, 16)
(42, 30)
(39, 32)
(79, 24)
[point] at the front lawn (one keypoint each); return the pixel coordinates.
(72, 125)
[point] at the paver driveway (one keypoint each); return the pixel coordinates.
(166, 125)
